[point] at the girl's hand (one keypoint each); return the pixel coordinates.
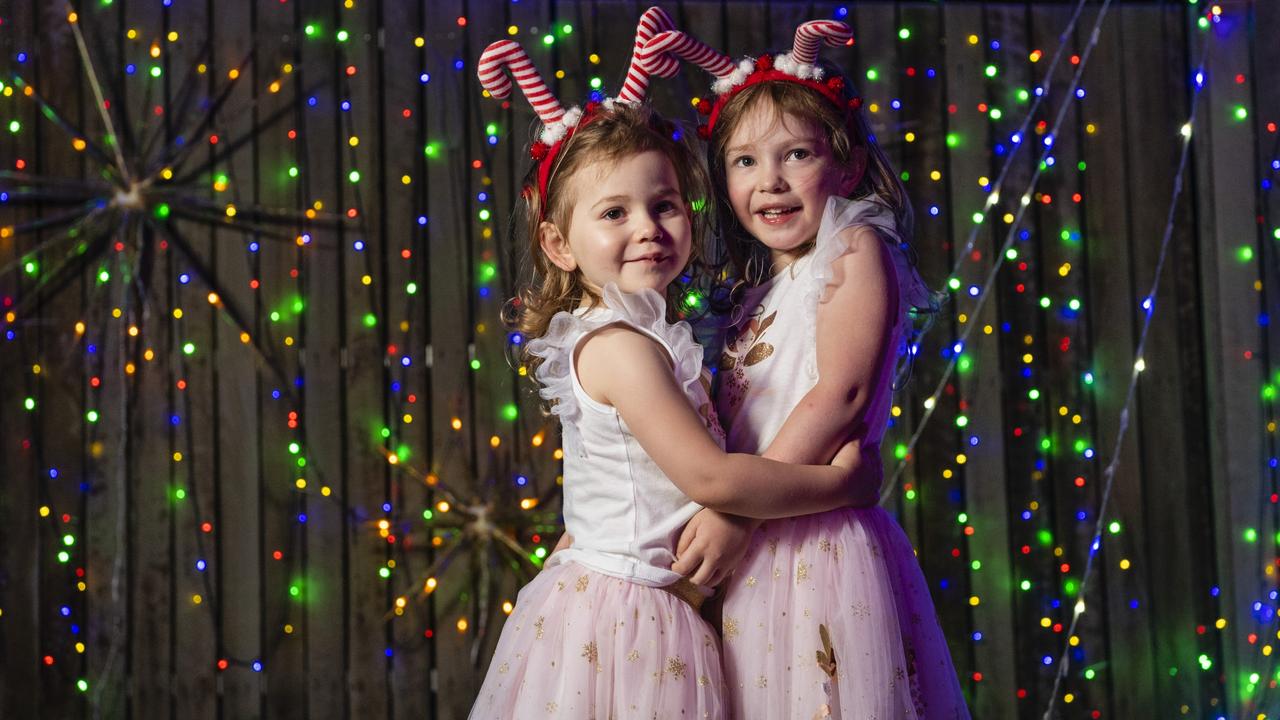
(711, 546)
(866, 471)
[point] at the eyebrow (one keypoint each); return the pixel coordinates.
(811, 139)
(662, 191)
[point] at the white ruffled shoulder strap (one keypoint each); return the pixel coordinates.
(646, 311)
(839, 215)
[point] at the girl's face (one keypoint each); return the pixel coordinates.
(780, 170)
(629, 225)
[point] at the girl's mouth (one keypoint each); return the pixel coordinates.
(777, 215)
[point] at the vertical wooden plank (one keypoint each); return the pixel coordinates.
(284, 586)
(51, 427)
(330, 533)
(1129, 672)
(1226, 185)
(235, 562)
(1063, 350)
(958, 197)
(1265, 117)
(108, 558)
(360, 250)
(447, 286)
(21, 599)
(1157, 110)
(937, 499)
(397, 158)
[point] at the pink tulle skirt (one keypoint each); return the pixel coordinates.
(580, 644)
(854, 574)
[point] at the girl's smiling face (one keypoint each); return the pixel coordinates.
(629, 225)
(779, 172)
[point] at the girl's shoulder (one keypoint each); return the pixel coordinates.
(644, 313)
(834, 237)
(838, 235)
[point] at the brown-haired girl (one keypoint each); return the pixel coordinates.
(829, 614)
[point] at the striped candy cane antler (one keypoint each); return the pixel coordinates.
(655, 20)
(665, 47)
(812, 35)
(508, 54)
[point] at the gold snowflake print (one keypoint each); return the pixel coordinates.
(762, 682)
(503, 668)
(581, 585)
(802, 571)
(824, 545)
(730, 628)
(538, 624)
(676, 667)
(751, 581)
(590, 652)
(552, 707)
(633, 656)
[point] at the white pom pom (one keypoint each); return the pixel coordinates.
(805, 71)
(553, 132)
(746, 66)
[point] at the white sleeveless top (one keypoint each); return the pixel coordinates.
(770, 358)
(624, 514)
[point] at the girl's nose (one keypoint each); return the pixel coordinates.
(771, 181)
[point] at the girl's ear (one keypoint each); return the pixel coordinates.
(854, 171)
(556, 246)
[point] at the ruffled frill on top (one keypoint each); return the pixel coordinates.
(839, 215)
(645, 310)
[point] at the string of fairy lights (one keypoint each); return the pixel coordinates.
(480, 476)
(1102, 518)
(983, 291)
(1265, 605)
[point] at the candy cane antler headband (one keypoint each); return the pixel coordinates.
(558, 124)
(798, 66)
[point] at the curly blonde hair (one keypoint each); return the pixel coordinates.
(612, 135)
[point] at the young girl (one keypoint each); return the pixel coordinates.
(828, 615)
(607, 629)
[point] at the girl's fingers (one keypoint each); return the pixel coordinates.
(702, 575)
(686, 536)
(686, 563)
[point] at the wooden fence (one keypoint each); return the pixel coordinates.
(246, 448)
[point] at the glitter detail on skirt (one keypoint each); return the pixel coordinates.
(853, 572)
(582, 644)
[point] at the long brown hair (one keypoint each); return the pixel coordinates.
(612, 135)
(844, 131)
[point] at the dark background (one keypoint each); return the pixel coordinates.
(377, 358)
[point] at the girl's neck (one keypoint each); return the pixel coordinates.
(782, 259)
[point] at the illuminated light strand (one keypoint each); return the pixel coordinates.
(931, 403)
(1109, 474)
(993, 196)
(121, 165)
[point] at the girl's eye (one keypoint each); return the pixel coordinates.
(800, 153)
(613, 214)
(665, 207)
(744, 161)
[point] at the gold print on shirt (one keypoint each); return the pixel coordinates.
(752, 337)
(744, 350)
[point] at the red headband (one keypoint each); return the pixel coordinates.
(798, 66)
(832, 89)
